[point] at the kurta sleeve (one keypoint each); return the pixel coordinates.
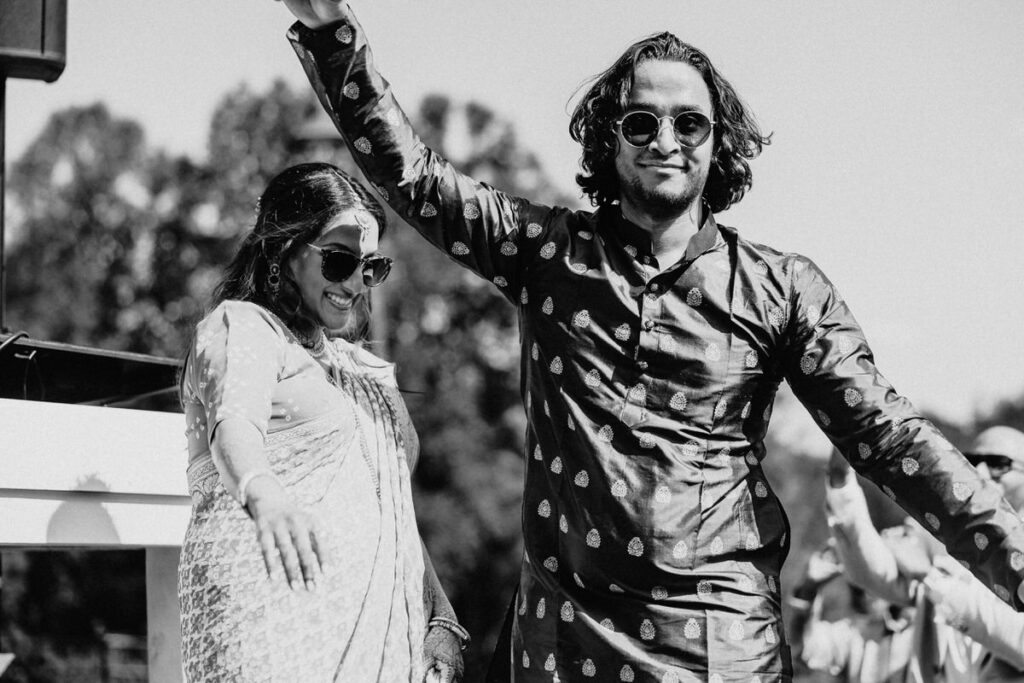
(235, 363)
(486, 230)
(831, 369)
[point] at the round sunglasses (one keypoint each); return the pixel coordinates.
(338, 265)
(640, 128)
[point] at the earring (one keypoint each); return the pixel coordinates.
(274, 279)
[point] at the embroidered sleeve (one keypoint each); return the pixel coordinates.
(235, 363)
(481, 228)
(832, 371)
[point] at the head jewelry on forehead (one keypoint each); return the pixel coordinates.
(364, 220)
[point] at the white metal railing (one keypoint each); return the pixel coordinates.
(92, 477)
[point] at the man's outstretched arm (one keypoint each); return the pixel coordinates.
(832, 371)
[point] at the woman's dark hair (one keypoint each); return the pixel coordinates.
(737, 137)
(294, 209)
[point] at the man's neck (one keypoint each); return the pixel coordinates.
(669, 235)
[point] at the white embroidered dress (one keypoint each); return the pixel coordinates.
(338, 437)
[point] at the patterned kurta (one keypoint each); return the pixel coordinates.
(653, 541)
(341, 448)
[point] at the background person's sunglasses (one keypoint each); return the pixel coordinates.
(997, 465)
(337, 265)
(640, 128)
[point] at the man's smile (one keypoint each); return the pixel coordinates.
(661, 165)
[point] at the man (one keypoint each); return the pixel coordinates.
(870, 642)
(961, 632)
(959, 599)
(653, 343)
(998, 454)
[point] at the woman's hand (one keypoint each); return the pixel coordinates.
(286, 533)
(442, 656)
(316, 13)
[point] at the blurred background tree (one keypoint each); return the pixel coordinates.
(118, 246)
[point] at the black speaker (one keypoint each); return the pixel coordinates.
(33, 38)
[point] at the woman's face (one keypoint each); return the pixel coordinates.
(354, 231)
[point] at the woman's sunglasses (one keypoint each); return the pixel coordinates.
(337, 265)
(640, 128)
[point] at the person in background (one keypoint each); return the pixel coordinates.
(302, 560)
(962, 632)
(871, 643)
(998, 454)
(653, 342)
(959, 599)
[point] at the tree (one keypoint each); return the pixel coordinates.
(83, 188)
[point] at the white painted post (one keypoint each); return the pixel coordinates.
(164, 634)
(90, 477)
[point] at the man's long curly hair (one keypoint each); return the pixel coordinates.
(737, 137)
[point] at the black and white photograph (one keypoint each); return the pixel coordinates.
(451, 342)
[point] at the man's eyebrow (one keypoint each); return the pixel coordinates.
(648, 106)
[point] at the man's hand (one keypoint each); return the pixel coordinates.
(316, 13)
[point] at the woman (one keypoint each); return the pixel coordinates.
(302, 560)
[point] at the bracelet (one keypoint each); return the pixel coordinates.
(243, 483)
(453, 627)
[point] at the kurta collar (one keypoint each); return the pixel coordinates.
(625, 233)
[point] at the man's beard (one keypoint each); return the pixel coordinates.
(658, 203)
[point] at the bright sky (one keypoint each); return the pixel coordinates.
(897, 161)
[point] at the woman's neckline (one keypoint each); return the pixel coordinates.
(318, 351)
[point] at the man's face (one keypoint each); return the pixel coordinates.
(664, 179)
(1013, 490)
(1010, 481)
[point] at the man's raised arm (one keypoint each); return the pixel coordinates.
(488, 231)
